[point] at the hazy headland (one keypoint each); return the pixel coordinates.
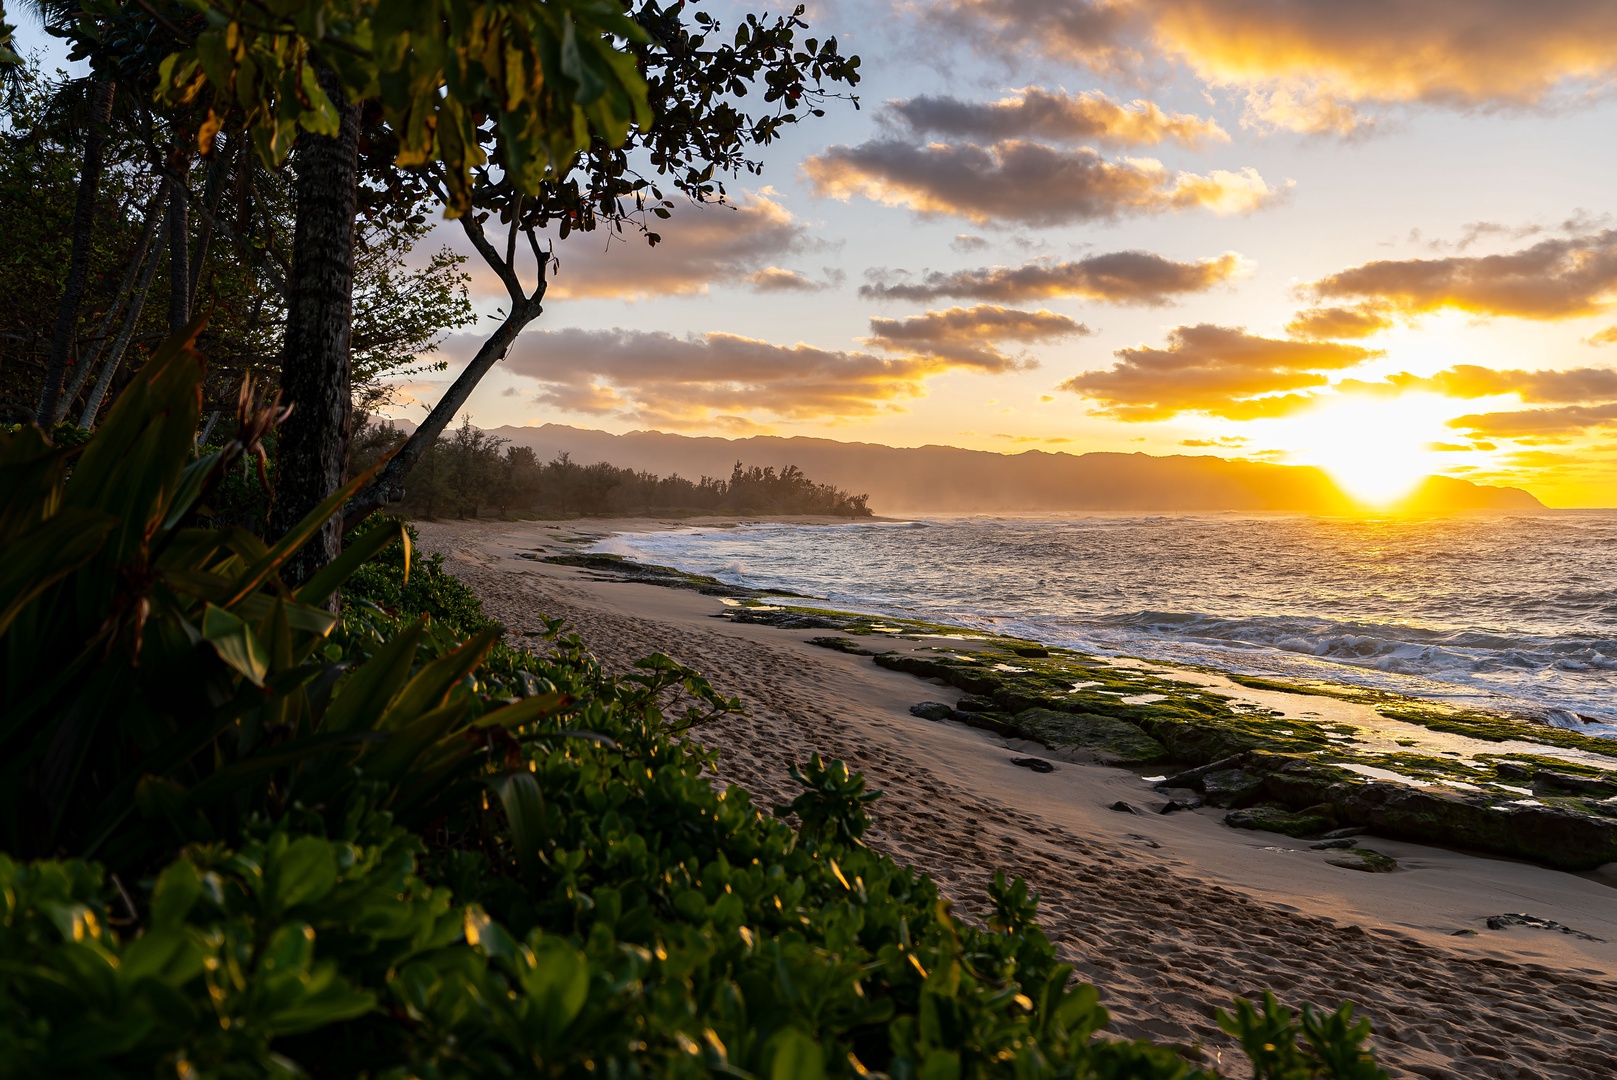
(947, 479)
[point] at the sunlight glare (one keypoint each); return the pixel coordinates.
(1378, 450)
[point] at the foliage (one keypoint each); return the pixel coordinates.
(381, 845)
(158, 667)
(549, 76)
(832, 809)
(470, 470)
(400, 312)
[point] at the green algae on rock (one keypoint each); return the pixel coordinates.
(1110, 739)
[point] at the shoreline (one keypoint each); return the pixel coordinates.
(1169, 915)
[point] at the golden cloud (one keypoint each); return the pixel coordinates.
(967, 336)
(1563, 278)
(1044, 114)
(702, 246)
(1026, 182)
(698, 380)
(1334, 323)
(1538, 424)
(1120, 277)
(1313, 66)
(1572, 386)
(1217, 370)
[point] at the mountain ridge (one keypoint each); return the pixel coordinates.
(937, 478)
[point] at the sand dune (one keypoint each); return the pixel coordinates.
(1170, 916)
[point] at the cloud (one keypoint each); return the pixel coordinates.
(1608, 336)
(1026, 182)
(965, 243)
(1222, 442)
(776, 279)
(742, 383)
(702, 246)
(1121, 277)
(1218, 370)
(1561, 278)
(1325, 323)
(1059, 440)
(1315, 67)
(1571, 386)
(965, 336)
(1044, 114)
(1538, 424)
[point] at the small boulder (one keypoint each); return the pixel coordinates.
(1111, 739)
(1232, 787)
(975, 703)
(1030, 652)
(931, 710)
(1596, 786)
(1274, 819)
(1122, 807)
(1038, 765)
(1335, 845)
(1370, 862)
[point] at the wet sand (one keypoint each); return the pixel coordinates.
(1170, 916)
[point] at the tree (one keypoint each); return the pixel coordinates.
(697, 80)
(548, 76)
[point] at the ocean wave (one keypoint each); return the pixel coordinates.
(1498, 610)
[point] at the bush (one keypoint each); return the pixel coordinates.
(387, 845)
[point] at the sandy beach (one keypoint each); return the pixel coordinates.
(1169, 915)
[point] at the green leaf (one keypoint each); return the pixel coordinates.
(331, 576)
(797, 1057)
(235, 643)
(45, 555)
(177, 890)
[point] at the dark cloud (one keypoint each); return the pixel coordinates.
(1025, 182)
(1121, 277)
(965, 243)
(1316, 66)
(1218, 370)
(1043, 114)
(1561, 278)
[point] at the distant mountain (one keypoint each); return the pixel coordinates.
(948, 479)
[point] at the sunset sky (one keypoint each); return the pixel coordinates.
(1375, 235)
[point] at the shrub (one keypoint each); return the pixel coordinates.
(388, 845)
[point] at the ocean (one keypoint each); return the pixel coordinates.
(1509, 613)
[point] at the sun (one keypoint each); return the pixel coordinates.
(1378, 450)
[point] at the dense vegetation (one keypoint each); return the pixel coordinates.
(470, 471)
(248, 837)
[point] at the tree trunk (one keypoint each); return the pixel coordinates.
(313, 442)
(137, 304)
(179, 242)
(388, 487)
(78, 266)
(148, 232)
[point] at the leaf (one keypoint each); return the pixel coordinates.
(797, 1057)
(235, 643)
(177, 890)
(364, 695)
(302, 874)
(47, 554)
(524, 806)
(331, 576)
